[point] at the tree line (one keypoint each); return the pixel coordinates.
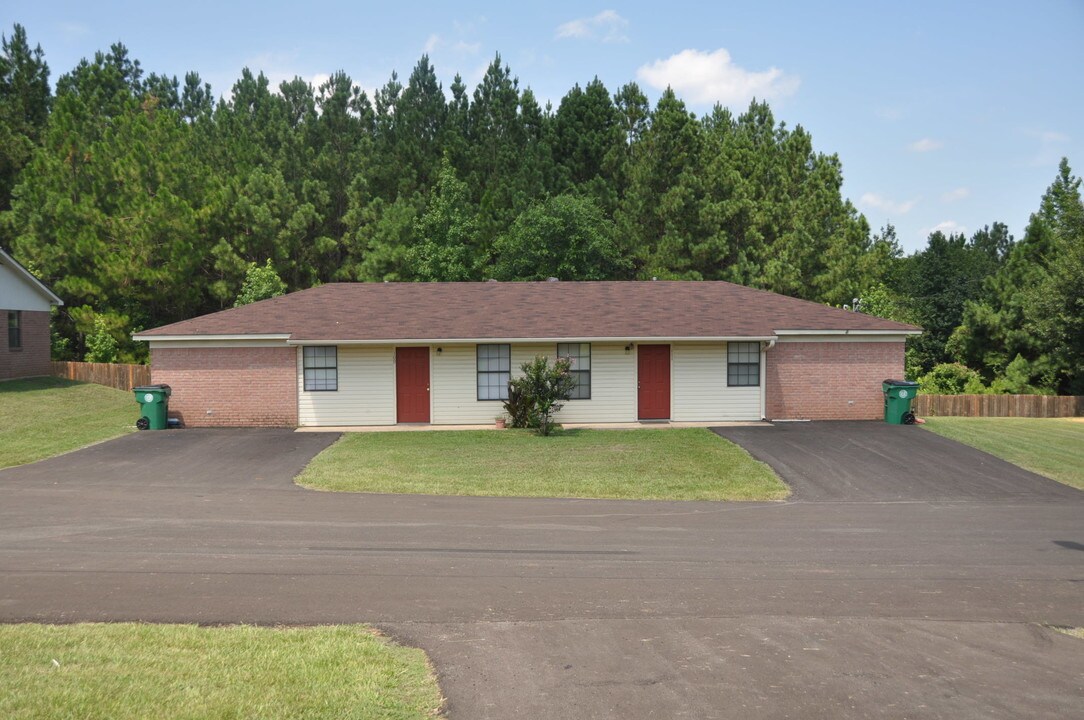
(1000, 315)
(142, 199)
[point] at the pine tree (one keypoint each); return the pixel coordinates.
(447, 233)
(25, 100)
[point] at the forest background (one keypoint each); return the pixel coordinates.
(142, 200)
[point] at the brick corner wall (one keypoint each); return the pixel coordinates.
(830, 380)
(32, 359)
(229, 387)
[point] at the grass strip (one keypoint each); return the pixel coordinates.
(131, 670)
(671, 464)
(1052, 447)
(42, 417)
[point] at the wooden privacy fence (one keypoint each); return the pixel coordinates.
(1034, 406)
(117, 375)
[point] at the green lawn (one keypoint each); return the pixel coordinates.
(1053, 447)
(42, 417)
(131, 670)
(673, 464)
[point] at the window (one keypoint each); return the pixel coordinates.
(580, 355)
(321, 368)
(743, 364)
(15, 333)
(494, 371)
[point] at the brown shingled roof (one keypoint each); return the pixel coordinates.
(491, 310)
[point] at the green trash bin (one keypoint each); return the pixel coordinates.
(898, 396)
(154, 406)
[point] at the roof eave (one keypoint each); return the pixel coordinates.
(38, 284)
(901, 331)
(140, 336)
(446, 340)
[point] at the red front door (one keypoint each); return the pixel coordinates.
(653, 363)
(412, 384)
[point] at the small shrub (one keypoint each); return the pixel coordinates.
(520, 406)
(540, 393)
(101, 345)
(1016, 379)
(951, 379)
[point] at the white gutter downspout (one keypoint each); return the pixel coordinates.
(763, 378)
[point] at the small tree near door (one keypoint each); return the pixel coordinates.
(540, 393)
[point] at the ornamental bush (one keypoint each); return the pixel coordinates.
(101, 345)
(951, 379)
(540, 393)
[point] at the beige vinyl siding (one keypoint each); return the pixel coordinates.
(455, 395)
(455, 383)
(366, 394)
(613, 388)
(454, 372)
(698, 391)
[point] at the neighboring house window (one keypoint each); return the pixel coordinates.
(580, 355)
(321, 368)
(15, 332)
(743, 364)
(494, 371)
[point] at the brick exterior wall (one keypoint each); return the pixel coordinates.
(229, 387)
(830, 380)
(33, 358)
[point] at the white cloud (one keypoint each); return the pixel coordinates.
(436, 42)
(276, 67)
(1051, 147)
(880, 202)
(955, 195)
(706, 78)
(318, 79)
(607, 26)
(279, 68)
(948, 227)
(925, 145)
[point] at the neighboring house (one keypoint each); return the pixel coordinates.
(25, 303)
(442, 353)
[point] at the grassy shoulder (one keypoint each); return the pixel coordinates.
(673, 464)
(1053, 447)
(131, 670)
(42, 417)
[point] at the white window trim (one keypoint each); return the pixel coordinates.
(478, 372)
(589, 370)
(304, 380)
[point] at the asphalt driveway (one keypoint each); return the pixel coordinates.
(573, 608)
(874, 461)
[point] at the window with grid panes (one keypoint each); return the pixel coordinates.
(321, 366)
(15, 331)
(743, 364)
(580, 355)
(494, 371)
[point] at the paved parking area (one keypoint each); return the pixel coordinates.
(870, 461)
(577, 608)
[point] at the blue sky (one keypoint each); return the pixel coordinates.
(945, 114)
